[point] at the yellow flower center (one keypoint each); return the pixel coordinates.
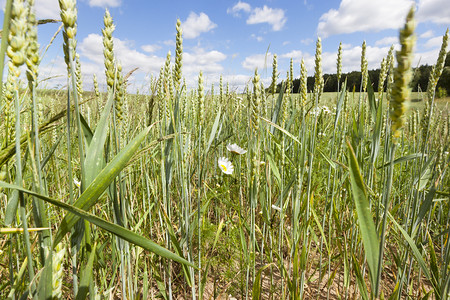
(224, 167)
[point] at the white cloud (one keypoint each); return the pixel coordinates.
(426, 58)
(196, 24)
(91, 48)
(346, 46)
(200, 60)
(363, 15)
(53, 73)
(237, 82)
(427, 34)
(240, 6)
(47, 9)
(257, 37)
(272, 16)
(258, 61)
(209, 62)
(307, 41)
(131, 58)
(105, 3)
(296, 55)
(92, 62)
(389, 40)
(194, 61)
(150, 48)
(434, 42)
(169, 42)
(351, 59)
(436, 11)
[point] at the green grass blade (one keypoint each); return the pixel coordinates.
(86, 276)
(18, 280)
(177, 247)
(425, 172)
(86, 130)
(8, 152)
(11, 208)
(205, 274)
(403, 159)
(281, 129)
(277, 109)
(274, 168)
(214, 129)
(45, 287)
(117, 230)
(317, 221)
(329, 161)
(378, 117)
(256, 291)
(340, 103)
(371, 99)
(100, 183)
(50, 153)
(365, 220)
(414, 249)
(434, 267)
(360, 279)
(424, 208)
(94, 152)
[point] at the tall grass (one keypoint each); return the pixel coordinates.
(339, 195)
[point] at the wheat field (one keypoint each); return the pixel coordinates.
(208, 193)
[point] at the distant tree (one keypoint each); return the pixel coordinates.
(444, 81)
(420, 79)
(374, 76)
(330, 81)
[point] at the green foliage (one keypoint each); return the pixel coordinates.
(441, 93)
(303, 215)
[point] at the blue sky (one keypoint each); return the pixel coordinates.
(232, 38)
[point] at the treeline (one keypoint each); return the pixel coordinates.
(419, 82)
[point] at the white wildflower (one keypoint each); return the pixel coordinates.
(225, 165)
(236, 149)
(77, 183)
(276, 207)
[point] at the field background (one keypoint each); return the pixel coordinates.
(211, 193)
